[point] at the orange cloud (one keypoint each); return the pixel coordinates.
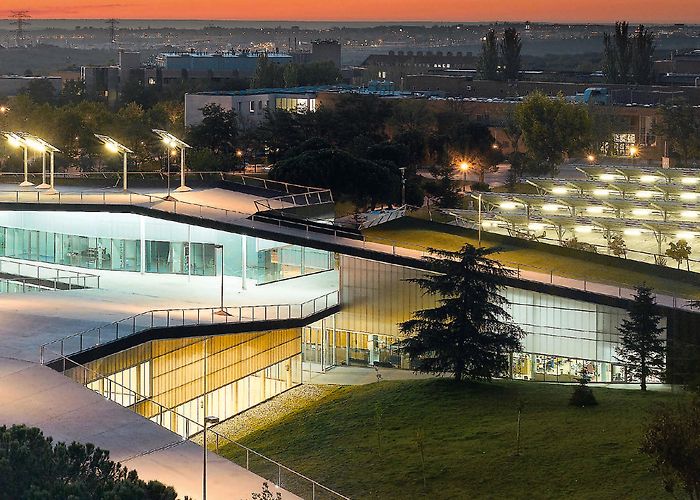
(649, 11)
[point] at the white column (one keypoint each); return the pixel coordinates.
(142, 228)
(244, 262)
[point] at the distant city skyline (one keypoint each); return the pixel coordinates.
(594, 11)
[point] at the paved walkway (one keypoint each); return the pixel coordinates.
(35, 395)
(234, 207)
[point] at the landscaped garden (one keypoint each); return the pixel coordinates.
(436, 438)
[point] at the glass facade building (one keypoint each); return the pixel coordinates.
(126, 242)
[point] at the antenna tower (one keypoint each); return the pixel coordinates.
(21, 19)
(112, 29)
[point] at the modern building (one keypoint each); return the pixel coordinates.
(196, 64)
(321, 51)
(210, 305)
(106, 82)
(395, 66)
(251, 105)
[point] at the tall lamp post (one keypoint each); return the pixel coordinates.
(403, 186)
(213, 421)
(115, 147)
(173, 142)
(17, 141)
(40, 145)
(464, 167)
(634, 152)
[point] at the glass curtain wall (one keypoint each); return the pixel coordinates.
(265, 261)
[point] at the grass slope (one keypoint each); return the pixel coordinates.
(412, 232)
(469, 441)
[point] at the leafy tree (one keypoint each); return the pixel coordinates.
(553, 129)
(318, 73)
(364, 182)
(488, 61)
(469, 332)
(679, 251)
(627, 57)
(443, 186)
(672, 441)
(41, 91)
(34, 467)
(73, 91)
(642, 55)
(266, 494)
(267, 74)
(510, 48)
(680, 126)
(217, 131)
(641, 347)
(617, 246)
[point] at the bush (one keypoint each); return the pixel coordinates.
(481, 186)
(583, 395)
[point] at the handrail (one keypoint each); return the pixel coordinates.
(189, 422)
(348, 238)
(321, 196)
(177, 317)
(542, 275)
(25, 271)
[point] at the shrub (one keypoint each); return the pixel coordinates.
(583, 395)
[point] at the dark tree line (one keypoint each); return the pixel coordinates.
(34, 467)
(627, 57)
(501, 59)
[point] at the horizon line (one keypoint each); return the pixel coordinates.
(379, 21)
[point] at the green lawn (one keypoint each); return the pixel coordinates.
(469, 441)
(416, 232)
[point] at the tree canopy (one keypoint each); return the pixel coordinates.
(469, 333)
(552, 129)
(364, 182)
(33, 467)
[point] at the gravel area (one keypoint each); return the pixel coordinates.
(265, 414)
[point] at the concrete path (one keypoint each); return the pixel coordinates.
(361, 375)
(37, 396)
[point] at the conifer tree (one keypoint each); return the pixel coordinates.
(469, 333)
(642, 350)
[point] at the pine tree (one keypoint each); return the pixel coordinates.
(469, 332)
(641, 347)
(488, 62)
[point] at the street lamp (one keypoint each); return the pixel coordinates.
(17, 141)
(634, 151)
(591, 159)
(403, 186)
(115, 147)
(173, 142)
(41, 146)
(213, 421)
(464, 167)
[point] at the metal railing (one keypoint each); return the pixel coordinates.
(47, 277)
(294, 200)
(169, 318)
(279, 474)
(538, 274)
(347, 238)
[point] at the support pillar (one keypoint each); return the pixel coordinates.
(142, 240)
(244, 262)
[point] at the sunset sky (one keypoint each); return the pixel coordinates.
(649, 11)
